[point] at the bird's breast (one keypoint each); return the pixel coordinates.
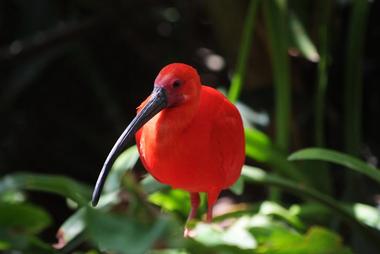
(195, 154)
(177, 157)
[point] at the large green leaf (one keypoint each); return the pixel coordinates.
(60, 185)
(338, 158)
(122, 234)
(12, 241)
(264, 234)
(316, 241)
(259, 176)
(26, 218)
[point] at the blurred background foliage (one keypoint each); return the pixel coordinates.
(302, 73)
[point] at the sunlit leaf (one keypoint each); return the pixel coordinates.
(301, 39)
(271, 208)
(12, 196)
(73, 226)
(367, 214)
(258, 145)
(236, 236)
(172, 200)
(317, 240)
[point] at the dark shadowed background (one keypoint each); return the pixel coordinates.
(72, 73)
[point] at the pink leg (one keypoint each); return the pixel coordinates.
(194, 200)
(212, 196)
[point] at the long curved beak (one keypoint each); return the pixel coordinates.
(157, 102)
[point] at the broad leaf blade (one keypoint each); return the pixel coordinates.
(60, 185)
(338, 158)
(23, 217)
(123, 234)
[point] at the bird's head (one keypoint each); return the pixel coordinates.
(177, 84)
(180, 82)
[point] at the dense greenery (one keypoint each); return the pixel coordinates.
(303, 205)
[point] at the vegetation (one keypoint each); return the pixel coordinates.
(289, 199)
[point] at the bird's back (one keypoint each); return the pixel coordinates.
(208, 153)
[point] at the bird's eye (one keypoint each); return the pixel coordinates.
(177, 84)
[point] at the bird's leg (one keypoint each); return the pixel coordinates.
(194, 201)
(212, 196)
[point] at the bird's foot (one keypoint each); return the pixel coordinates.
(189, 233)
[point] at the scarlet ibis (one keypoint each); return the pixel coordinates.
(189, 136)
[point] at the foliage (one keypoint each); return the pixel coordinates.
(304, 210)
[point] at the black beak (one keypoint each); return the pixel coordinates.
(157, 102)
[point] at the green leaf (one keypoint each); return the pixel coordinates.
(12, 196)
(12, 241)
(354, 75)
(275, 13)
(367, 214)
(126, 161)
(122, 234)
(311, 213)
(317, 240)
(60, 185)
(151, 185)
(245, 46)
(73, 226)
(301, 39)
(236, 235)
(172, 200)
(259, 176)
(238, 187)
(169, 251)
(23, 217)
(338, 158)
(272, 208)
(258, 145)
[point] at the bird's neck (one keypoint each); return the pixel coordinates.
(176, 119)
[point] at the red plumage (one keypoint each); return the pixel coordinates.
(189, 136)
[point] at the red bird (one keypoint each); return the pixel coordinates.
(189, 136)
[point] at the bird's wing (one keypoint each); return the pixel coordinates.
(227, 137)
